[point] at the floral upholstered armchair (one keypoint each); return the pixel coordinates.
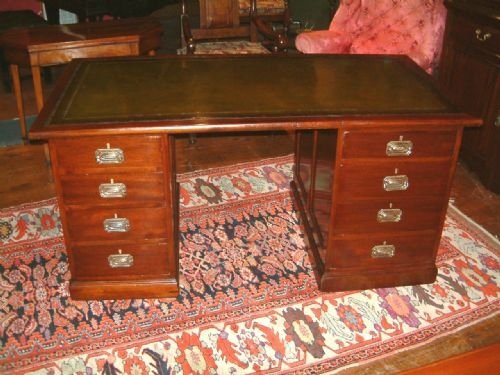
(235, 26)
(414, 28)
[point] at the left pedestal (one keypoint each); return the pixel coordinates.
(118, 210)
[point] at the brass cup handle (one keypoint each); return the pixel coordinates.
(120, 260)
(383, 251)
(399, 148)
(482, 37)
(395, 183)
(109, 156)
(389, 215)
(116, 225)
(112, 190)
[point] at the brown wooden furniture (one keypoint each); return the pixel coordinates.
(379, 149)
(222, 19)
(272, 20)
(14, 19)
(96, 10)
(42, 46)
(218, 19)
(469, 75)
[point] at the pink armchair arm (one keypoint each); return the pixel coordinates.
(322, 41)
(414, 28)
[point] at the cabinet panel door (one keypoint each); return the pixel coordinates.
(492, 139)
(469, 76)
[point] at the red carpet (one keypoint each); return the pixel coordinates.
(249, 301)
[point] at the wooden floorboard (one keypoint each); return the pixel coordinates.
(25, 176)
(480, 361)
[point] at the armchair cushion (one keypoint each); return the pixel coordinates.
(414, 28)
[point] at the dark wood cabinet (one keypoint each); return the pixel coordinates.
(469, 75)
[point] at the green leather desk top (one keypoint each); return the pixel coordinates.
(203, 90)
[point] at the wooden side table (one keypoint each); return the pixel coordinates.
(38, 47)
(13, 19)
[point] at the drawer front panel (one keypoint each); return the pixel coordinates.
(112, 262)
(136, 188)
(475, 34)
(405, 144)
(117, 224)
(380, 216)
(369, 251)
(367, 180)
(113, 153)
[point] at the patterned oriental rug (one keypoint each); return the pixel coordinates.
(249, 300)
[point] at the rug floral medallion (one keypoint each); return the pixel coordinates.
(249, 301)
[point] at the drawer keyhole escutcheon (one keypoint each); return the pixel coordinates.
(383, 251)
(120, 260)
(112, 190)
(109, 155)
(116, 224)
(399, 148)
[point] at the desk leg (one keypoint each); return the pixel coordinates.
(37, 83)
(16, 82)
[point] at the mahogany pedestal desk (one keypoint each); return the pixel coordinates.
(48, 45)
(376, 151)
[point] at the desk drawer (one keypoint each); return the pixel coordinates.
(109, 154)
(112, 189)
(112, 262)
(117, 224)
(405, 144)
(388, 179)
(365, 217)
(474, 33)
(368, 251)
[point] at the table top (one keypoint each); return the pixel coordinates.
(60, 36)
(182, 94)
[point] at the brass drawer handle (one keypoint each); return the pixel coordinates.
(383, 251)
(120, 260)
(389, 215)
(394, 183)
(109, 155)
(482, 37)
(116, 224)
(399, 148)
(112, 190)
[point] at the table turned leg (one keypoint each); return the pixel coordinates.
(37, 83)
(16, 82)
